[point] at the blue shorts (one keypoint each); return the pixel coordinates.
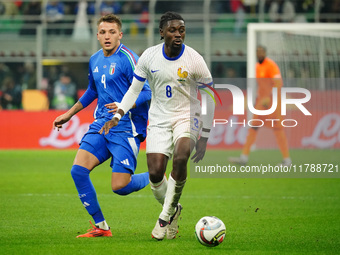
(121, 146)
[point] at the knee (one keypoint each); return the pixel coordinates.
(74, 171)
(116, 186)
(179, 171)
(156, 172)
(156, 176)
(180, 162)
(120, 189)
(119, 182)
(79, 172)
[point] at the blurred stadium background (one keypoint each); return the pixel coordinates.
(45, 45)
(48, 43)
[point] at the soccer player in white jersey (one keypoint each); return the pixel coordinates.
(175, 72)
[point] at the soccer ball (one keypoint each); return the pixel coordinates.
(210, 231)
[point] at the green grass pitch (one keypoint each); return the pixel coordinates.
(41, 212)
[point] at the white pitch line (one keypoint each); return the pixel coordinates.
(187, 196)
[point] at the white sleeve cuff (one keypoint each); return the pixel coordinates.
(117, 115)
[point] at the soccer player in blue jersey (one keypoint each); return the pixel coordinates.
(110, 75)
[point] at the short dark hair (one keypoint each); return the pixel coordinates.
(111, 18)
(169, 16)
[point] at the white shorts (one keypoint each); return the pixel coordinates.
(162, 139)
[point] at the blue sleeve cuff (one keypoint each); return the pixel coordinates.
(138, 77)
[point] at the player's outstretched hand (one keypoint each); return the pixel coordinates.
(108, 125)
(60, 120)
(112, 106)
(201, 147)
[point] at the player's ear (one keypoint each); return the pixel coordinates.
(161, 33)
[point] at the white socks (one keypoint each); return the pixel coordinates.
(172, 197)
(159, 189)
(102, 225)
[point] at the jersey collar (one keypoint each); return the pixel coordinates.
(175, 58)
(117, 50)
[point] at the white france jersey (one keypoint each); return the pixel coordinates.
(174, 82)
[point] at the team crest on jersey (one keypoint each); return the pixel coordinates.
(112, 68)
(182, 74)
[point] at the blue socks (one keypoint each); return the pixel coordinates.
(138, 181)
(87, 193)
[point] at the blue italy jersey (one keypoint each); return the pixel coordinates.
(109, 79)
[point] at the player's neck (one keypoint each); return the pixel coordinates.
(172, 52)
(108, 53)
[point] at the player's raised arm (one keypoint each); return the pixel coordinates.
(130, 97)
(144, 96)
(128, 101)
